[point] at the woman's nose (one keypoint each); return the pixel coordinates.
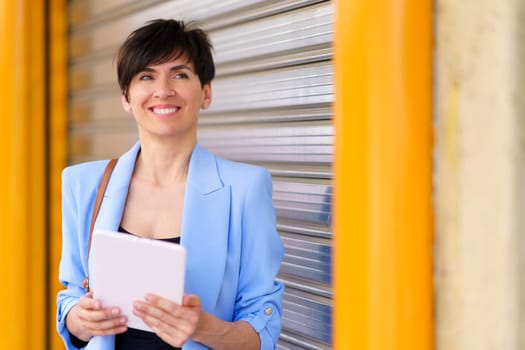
(164, 89)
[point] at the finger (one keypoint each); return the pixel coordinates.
(191, 300)
(107, 327)
(88, 302)
(160, 307)
(192, 303)
(154, 312)
(92, 315)
(161, 302)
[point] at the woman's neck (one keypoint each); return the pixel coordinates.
(163, 164)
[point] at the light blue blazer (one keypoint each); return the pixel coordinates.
(228, 228)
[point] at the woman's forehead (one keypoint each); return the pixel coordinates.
(173, 56)
(172, 65)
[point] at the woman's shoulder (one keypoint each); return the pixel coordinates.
(84, 172)
(238, 166)
(238, 173)
(231, 168)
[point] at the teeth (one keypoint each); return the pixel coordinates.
(165, 110)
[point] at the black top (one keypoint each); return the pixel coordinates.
(135, 339)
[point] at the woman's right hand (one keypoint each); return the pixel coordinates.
(88, 319)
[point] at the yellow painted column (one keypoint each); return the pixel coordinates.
(383, 170)
(57, 13)
(23, 177)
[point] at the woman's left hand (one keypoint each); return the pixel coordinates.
(173, 323)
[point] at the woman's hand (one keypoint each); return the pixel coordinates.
(88, 319)
(173, 323)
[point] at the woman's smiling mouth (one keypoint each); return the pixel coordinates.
(164, 111)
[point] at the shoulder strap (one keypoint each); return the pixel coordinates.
(98, 202)
(100, 195)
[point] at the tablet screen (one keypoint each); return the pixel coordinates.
(125, 267)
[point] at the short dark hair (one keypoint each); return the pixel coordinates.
(162, 40)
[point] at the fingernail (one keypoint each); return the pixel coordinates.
(115, 311)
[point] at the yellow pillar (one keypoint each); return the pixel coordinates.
(383, 214)
(23, 177)
(57, 17)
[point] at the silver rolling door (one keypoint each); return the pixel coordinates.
(272, 106)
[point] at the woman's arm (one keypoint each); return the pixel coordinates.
(76, 311)
(259, 294)
(218, 334)
(71, 271)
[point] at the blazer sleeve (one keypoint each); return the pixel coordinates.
(73, 263)
(259, 297)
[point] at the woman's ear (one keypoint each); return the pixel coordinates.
(206, 98)
(125, 104)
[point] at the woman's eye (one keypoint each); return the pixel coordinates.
(180, 76)
(145, 77)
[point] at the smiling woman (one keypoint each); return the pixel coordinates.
(272, 95)
(170, 92)
(168, 187)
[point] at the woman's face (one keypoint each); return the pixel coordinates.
(165, 99)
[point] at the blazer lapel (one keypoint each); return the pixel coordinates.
(205, 226)
(112, 206)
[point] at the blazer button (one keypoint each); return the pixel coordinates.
(268, 311)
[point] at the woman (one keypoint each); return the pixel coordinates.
(168, 187)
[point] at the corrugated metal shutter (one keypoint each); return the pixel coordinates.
(271, 106)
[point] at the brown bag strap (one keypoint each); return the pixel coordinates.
(98, 202)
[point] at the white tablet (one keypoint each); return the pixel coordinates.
(124, 267)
